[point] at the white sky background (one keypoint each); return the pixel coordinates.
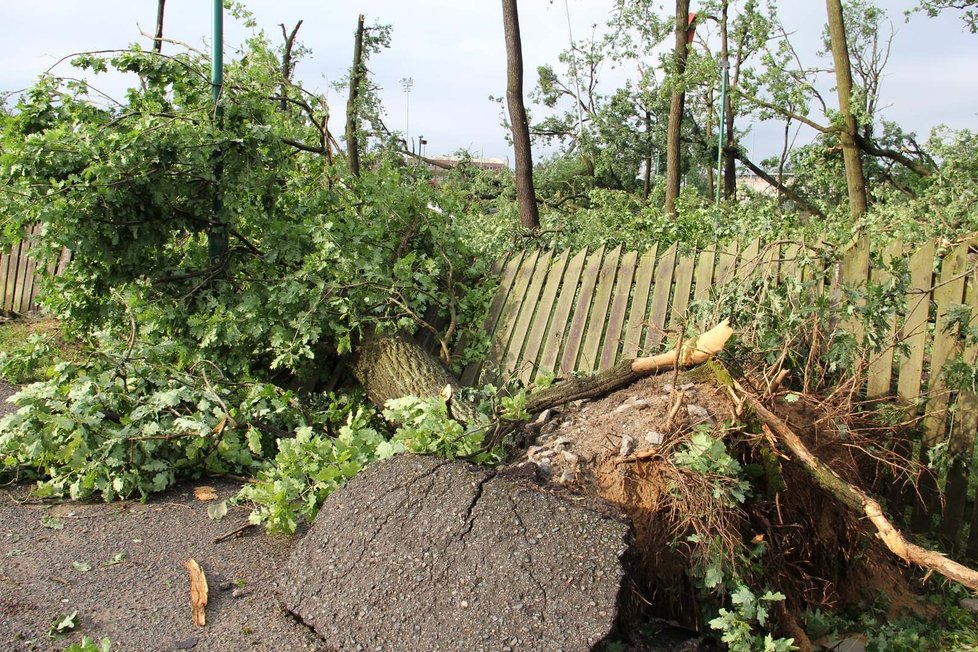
(453, 49)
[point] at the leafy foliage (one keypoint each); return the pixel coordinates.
(120, 425)
(736, 625)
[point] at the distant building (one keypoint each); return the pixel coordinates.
(759, 185)
(439, 165)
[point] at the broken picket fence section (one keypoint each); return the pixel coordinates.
(558, 313)
(20, 284)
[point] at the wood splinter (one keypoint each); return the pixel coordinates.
(198, 591)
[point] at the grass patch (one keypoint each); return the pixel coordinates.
(29, 345)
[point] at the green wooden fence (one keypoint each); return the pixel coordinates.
(565, 312)
(19, 281)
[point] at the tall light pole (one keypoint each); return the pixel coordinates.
(217, 232)
(407, 83)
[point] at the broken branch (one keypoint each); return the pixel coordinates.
(859, 501)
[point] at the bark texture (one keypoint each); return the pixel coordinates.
(676, 108)
(394, 366)
(855, 179)
(526, 196)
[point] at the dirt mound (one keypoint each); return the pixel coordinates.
(622, 448)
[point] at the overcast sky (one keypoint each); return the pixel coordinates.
(453, 49)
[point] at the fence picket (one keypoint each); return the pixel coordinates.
(680, 295)
(616, 318)
(591, 348)
(853, 275)
(528, 309)
(660, 300)
(640, 304)
(542, 320)
(949, 292)
(6, 281)
(704, 273)
(555, 333)
(789, 262)
(964, 426)
(575, 334)
(880, 371)
(471, 373)
(20, 278)
(726, 262)
(749, 260)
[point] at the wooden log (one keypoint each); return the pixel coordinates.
(694, 351)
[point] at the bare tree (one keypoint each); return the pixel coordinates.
(356, 76)
(288, 65)
(158, 40)
(848, 134)
(529, 215)
(674, 129)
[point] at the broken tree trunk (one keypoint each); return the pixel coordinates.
(694, 351)
(393, 366)
(859, 501)
(353, 103)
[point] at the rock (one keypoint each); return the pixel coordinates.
(971, 604)
(544, 469)
(698, 414)
(240, 592)
(543, 417)
(563, 441)
(567, 477)
(570, 458)
(395, 552)
(654, 438)
(628, 444)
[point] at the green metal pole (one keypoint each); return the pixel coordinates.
(723, 125)
(217, 235)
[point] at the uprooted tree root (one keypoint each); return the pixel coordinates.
(810, 544)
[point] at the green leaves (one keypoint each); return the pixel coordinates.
(737, 625)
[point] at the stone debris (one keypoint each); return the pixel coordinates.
(627, 446)
(698, 414)
(418, 553)
(654, 438)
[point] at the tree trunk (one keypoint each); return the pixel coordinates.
(674, 130)
(158, 41)
(529, 215)
(855, 179)
(356, 75)
(394, 366)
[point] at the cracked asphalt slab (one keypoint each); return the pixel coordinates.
(417, 553)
